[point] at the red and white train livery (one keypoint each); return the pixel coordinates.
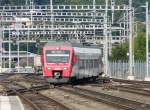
(64, 61)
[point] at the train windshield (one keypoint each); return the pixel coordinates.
(57, 56)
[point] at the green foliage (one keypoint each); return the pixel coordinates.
(120, 52)
(140, 46)
(141, 27)
(7, 64)
(42, 2)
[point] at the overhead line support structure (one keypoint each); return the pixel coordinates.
(59, 20)
(147, 78)
(106, 39)
(131, 76)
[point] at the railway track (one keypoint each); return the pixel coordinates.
(12, 86)
(3, 77)
(115, 101)
(41, 102)
(132, 89)
(32, 97)
(139, 83)
(126, 88)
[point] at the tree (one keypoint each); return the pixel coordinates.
(140, 46)
(120, 52)
(42, 2)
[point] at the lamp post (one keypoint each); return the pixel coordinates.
(131, 76)
(9, 53)
(106, 40)
(112, 6)
(18, 49)
(28, 48)
(94, 12)
(51, 5)
(147, 78)
(1, 41)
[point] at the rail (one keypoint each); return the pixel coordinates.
(115, 101)
(33, 98)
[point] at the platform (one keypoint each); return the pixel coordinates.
(10, 103)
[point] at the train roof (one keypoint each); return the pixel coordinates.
(54, 43)
(71, 44)
(85, 48)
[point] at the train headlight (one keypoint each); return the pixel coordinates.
(49, 68)
(65, 68)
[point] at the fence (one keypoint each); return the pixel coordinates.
(120, 69)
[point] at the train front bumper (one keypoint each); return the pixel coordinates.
(57, 72)
(56, 80)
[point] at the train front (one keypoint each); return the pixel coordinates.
(57, 64)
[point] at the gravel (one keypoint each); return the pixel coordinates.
(131, 96)
(76, 102)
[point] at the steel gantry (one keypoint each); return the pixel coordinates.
(66, 19)
(28, 23)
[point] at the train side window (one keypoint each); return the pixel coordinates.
(91, 63)
(81, 64)
(95, 63)
(84, 64)
(87, 64)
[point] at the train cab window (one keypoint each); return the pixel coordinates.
(57, 56)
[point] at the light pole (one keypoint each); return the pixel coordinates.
(31, 11)
(9, 53)
(1, 48)
(94, 12)
(18, 50)
(28, 33)
(51, 5)
(131, 76)
(147, 78)
(106, 40)
(2, 51)
(28, 48)
(112, 6)
(1, 44)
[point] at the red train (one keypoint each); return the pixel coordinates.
(63, 61)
